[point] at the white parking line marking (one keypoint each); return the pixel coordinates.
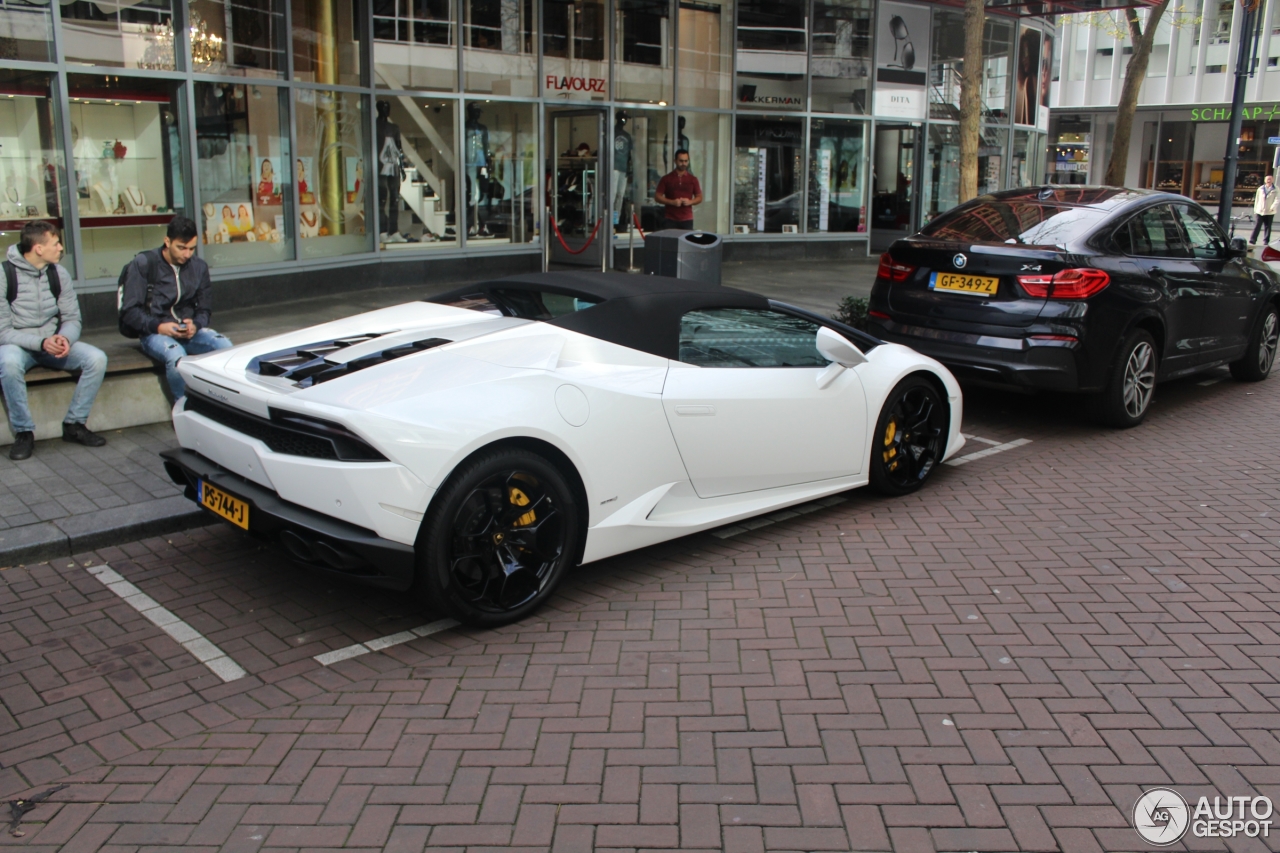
(990, 451)
(189, 638)
(774, 517)
(348, 652)
(990, 441)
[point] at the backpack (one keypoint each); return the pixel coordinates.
(151, 286)
(55, 283)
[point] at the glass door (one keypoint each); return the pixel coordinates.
(893, 184)
(577, 182)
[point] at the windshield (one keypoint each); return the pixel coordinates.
(1017, 221)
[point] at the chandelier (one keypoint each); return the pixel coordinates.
(207, 49)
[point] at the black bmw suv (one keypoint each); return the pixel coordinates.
(1099, 290)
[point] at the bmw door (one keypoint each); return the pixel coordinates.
(1230, 289)
(1157, 248)
(746, 408)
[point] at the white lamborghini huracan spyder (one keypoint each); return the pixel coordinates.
(475, 446)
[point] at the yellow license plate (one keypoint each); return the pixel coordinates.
(975, 285)
(222, 504)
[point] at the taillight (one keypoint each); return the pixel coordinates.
(892, 270)
(1269, 254)
(879, 315)
(1065, 284)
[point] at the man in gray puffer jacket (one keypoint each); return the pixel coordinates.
(39, 328)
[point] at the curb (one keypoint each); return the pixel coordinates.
(35, 543)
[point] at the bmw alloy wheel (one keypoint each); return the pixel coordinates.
(1139, 379)
(1267, 349)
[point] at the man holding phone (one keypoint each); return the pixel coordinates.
(174, 321)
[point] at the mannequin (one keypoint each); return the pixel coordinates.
(478, 170)
(390, 174)
(623, 147)
(682, 141)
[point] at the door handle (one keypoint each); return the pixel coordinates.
(695, 411)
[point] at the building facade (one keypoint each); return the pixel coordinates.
(309, 135)
(1179, 138)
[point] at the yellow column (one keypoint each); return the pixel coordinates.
(327, 105)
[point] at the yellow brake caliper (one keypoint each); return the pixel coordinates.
(890, 451)
(519, 498)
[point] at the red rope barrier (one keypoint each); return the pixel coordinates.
(636, 220)
(560, 237)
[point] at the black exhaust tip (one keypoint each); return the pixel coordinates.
(298, 547)
(337, 558)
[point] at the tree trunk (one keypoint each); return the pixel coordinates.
(971, 98)
(1133, 77)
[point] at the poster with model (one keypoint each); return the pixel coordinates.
(1026, 82)
(269, 181)
(902, 58)
(1046, 79)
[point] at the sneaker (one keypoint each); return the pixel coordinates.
(23, 444)
(80, 434)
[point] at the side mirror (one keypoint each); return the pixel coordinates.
(1239, 248)
(835, 348)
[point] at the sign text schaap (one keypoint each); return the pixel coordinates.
(575, 84)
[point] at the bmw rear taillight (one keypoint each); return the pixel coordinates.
(1269, 254)
(892, 270)
(1065, 284)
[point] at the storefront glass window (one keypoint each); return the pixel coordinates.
(948, 66)
(331, 158)
(128, 166)
(325, 49)
(237, 37)
(119, 34)
(643, 151)
(415, 44)
(706, 32)
(841, 55)
(1172, 170)
(772, 57)
(575, 49)
(26, 30)
(32, 170)
(645, 58)
(414, 172)
(1028, 159)
(706, 137)
(244, 170)
(1070, 145)
(941, 190)
(837, 175)
(768, 169)
(997, 74)
(499, 55)
(500, 156)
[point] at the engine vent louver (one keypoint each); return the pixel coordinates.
(305, 366)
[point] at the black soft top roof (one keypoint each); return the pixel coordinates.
(638, 311)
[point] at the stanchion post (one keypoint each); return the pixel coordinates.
(631, 247)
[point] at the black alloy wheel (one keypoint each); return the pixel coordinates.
(1260, 354)
(910, 437)
(1132, 386)
(500, 537)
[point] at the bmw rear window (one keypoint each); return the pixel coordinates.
(1016, 221)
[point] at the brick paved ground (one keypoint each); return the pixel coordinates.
(1001, 662)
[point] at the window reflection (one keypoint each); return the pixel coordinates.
(119, 33)
(841, 55)
(837, 175)
(644, 51)
(575, 50)
(501, 182)
(706, 137)
(767, 169)
(772, 53)
(643, 151)
(415, 44)
(240, 37)
(706, 32)
(26, 30)
(942, 166)
(948, 66)
(324, 46)
(498, 50)
(331, 160)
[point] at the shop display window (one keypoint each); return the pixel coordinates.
(244, 168)
(1028, 159)
(575, 48)
(119, 33)
(706, 136)
(26, 30)
(325, 49)
(128, 166)
(415, 172)
(244, 38)
(501, 182)
(644, 61)
(32, 168)
(841, 55)
(772, 54)
(643, 151)
(941, 190)
(1069, 148)
(416, 44)
(1171, 170)
(1208, 145)
(837, 176)
(948, 66)
(706, 33)
(332, 152)
(768, 169)
(499, 53)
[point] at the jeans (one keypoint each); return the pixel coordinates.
(165, 350)
(16, 361)
(1263, 221)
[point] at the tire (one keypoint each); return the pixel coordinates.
(910, 437)
(500, 537)
(1260, 354)
(1132, 385)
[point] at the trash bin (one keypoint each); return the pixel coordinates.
(693, 255)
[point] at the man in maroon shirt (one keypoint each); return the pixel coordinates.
(679, 191)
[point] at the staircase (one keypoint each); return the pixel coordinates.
(424, 197)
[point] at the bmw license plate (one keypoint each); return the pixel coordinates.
(974, 285)
(223, 505)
